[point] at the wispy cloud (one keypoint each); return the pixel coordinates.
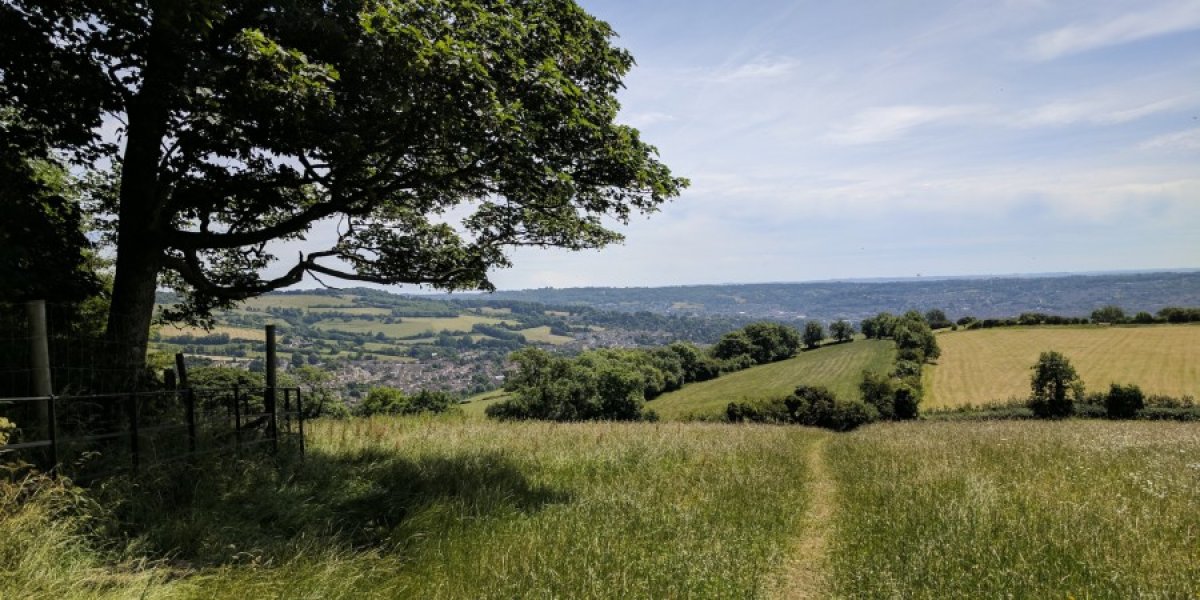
(1180, 140)
(1097, 112)
(762, 67)
(881, 124)
(1172, 17)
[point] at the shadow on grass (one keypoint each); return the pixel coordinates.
(231, 511)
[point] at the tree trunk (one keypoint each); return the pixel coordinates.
(141, 213)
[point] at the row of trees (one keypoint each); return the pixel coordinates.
(613, 384)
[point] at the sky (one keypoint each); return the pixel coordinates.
(838, 140)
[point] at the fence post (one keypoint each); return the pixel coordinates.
(237, 419)
(300, 419)
(131, 401)
(269, 396)
(189, 400)
(53, 434)
(39, 352)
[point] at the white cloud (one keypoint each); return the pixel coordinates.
(1069, 112)
(1172, 17)
(762, 67)
(881, 124)
(1180, 140)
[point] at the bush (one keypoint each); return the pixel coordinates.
(809, 405)
(878, 391)
(906, 403)
(1124, 401)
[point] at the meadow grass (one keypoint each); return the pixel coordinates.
(445, 508)
(838, 367)
(989, 365)
(1082, 509)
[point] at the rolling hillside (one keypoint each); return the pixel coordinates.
(838, 367)
(993, 365)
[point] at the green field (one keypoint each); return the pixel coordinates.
(543, 335)
(409, 326)
(395, 508)
(461, 508)
(838, 367)
(1077, 509)
(990, 365)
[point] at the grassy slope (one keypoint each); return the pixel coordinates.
(838, 367)
(1018, 510)
(409, 508)
(477, 404)
(994, 364)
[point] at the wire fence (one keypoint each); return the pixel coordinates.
(94, 436)
(76, 403)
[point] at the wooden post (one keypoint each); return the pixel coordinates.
(269, 396)
(39, 352)
(132, 406)
(237, 419)
(300, 419)
(189, 400)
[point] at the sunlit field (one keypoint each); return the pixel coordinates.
(992, 365)
(409, 508)
(1076, 509)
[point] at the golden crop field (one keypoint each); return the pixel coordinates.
(990, 365)
(409, 325)
(235, 333)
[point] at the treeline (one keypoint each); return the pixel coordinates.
(614, 384)
(1110, 315)
(894, 396)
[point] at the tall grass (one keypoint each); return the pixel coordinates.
(1018, 509)
(444, 508)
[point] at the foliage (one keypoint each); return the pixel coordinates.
(1109, 314)
(770, 342)
(814, 406)
(594, 386)
(936, 318)
(1055, 386)
(1124, 401)
(390, 401)
(814, 333)
(842, 331)
(249, 123)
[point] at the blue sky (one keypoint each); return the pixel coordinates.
(835, 140)
(889, 139)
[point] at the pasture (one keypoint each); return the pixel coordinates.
(838, 367)
(1076, 509)
(991, 365)
(459, 508)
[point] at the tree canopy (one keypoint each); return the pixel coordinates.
(430, 136)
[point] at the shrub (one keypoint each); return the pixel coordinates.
(1124, 401)
(1055, 386)
(809, 405)
(907, 400)
(878, 391)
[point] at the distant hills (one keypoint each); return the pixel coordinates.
(983, 297)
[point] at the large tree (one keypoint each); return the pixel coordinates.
(432, 135)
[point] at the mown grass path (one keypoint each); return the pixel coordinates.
(806, 570)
